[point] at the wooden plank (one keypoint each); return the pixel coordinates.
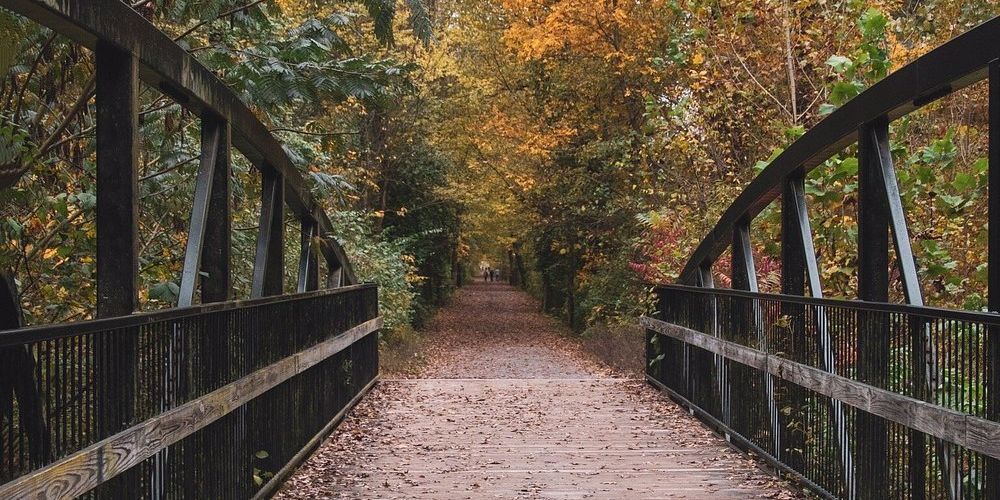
(974, 433)
(539, 438)
(272, 486)
(80, 472)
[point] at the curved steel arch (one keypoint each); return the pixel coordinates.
(166, 66)
(198, 354)
(965, 60)
(960, 62)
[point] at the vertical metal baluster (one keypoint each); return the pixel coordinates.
(710, 325)
(803, 233)
(745, 278)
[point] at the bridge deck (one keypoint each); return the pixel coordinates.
(538, 421)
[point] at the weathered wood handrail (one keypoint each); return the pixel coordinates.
(865, 120)
(757, 366)
(968, 431)
(86, 469)
(219, 383)
(142, 405)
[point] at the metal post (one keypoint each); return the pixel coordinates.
(211, 132)
(117, 182)
(793, 271)
(308, 263)
(117, 244)
(826, 355)
(993, 337)
(267, 280)
(880, 181)
(873, 285)
(268, 267)
(744, 275)
(217, 284)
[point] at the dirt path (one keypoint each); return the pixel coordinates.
(509, 408)
(495, 331)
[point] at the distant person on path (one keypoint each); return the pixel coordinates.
(486, 274)
(496, 275)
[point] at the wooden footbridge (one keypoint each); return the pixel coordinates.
(853, 398)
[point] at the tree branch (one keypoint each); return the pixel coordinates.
(304, 132)
(216, 18)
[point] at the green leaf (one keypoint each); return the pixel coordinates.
(262, 454)
(941, 153)
(814, 190)
(11, 35)
(761, 165)
(842, 92)
(981, 166)
(840, 64)
(931, 247)
(794, 132)
(849, 166)
(873, 24)
(382, 13)
(964, 183)
(925, 174)
(420, 21)
(166, 291)
(951, 203)
(653, 362)
(86, 201)
(826, 108)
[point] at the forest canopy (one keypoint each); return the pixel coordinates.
(585, 146)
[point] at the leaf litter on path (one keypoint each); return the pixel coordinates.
(509, 406)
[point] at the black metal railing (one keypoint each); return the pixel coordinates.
(945, 359)
(900, 428)
(217, 400)
(291, 369)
